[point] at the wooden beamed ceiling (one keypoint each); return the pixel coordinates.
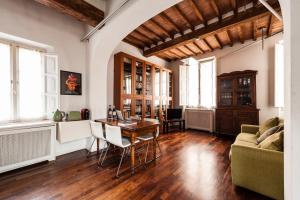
(79, 9)
(194, 27)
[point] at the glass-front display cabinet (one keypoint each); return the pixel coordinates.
(226, 92)
(236, 95)
(139, 78)
(141, 89)
(127, 75)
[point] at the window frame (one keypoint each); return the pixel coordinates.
(186, 79)
(14, 77)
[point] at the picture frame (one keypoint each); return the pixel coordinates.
(70, 83)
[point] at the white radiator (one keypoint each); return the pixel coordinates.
(26, 145)
(199, 119)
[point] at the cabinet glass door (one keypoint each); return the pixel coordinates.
(164, 84)
(226, 92)
(156, 108)
(148, 108)
(139, 78)
(139, 108)
(126, 108)
(148, 80)
(157, 82)
(244, 93)
(170, 84)
(127, 76)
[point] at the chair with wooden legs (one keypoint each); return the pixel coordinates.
(114, 137)
(147, 139)
(97, 133)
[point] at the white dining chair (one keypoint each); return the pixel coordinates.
(114, 137)
(147, 138)
(97, 133)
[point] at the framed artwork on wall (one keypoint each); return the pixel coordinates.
(70, 83)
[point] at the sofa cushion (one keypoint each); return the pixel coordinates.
(269, 132)
(267, 125)
(273, 142)
(245, 143)
(247, 137)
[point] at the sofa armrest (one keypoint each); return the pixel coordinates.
(257, 169)
(247, 128)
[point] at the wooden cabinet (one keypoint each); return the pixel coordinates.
(236, 101)
(141, 88)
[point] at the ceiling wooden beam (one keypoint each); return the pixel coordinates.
(234, 6)
(216, 8)
(210, 30)
(254, 27)
(241, 34)
(132, 37)
(79, 9)
(197, 12)
(183, 16)
(271, 21)
(207, 44)
(198, 46)
(218, 41)
(164, 30)
(145, 36)
(170, 21)
(152, 32)
(134, 43)
(190, 49)
(229, 37)
(176, 54)
(172, 55)
(181, 51)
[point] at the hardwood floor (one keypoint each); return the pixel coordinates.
(194, 165)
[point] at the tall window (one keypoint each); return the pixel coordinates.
(27, 84)
(279, 75)
(197, 83)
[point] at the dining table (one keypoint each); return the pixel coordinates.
(133, 129)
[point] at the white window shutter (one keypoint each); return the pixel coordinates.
(51, 84)
(183, 74)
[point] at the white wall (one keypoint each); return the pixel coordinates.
(250, 56)
(103, 43)
(33, 21)
(131, 50)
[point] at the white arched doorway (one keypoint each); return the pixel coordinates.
(102, 44)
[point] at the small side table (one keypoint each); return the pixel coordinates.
(166, 124)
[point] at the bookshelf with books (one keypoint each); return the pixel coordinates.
(141, 89)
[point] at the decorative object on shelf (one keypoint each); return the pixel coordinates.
(85, 114)
(236, 96)
(70, 83)
(74, 116)
(58, 116)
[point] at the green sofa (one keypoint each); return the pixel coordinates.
(256, 169)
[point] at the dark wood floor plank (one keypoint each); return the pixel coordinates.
(194, 165)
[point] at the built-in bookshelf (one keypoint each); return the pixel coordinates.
(141, 88)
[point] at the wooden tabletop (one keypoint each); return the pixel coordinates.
(138, 124)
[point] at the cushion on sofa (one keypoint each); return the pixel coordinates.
(267, 125)
(269, 132)
(247, 137)
(245, 143)
(273, 142)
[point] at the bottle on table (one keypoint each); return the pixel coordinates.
(109, 112)
(114, 113)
